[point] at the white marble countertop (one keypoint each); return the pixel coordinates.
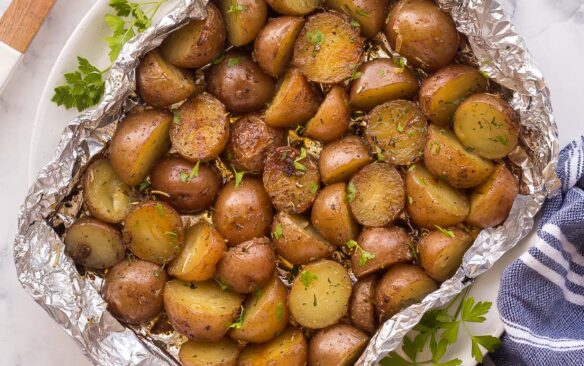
(552, 29)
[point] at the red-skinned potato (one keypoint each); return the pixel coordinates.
(369, 13)
(362, 304)
(243, 19)
(337, 345)
(340, 159)
(332, 118)
(441, 252)
(331, 215)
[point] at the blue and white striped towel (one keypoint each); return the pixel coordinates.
(541, 300)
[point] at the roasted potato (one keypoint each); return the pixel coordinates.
(94, 244)
(332, 118)
(337, 345)
(133, 290)
(293, 7)
(369, 13)
(250, 141)
(243, 19)
(265, 315)
(289, 348)
(274, 44)
(221, 353)
(190, 187)
(243, 212)
(248, 266)
(153, 231)
(445, 157)
(141, 138)
(203, 249)
(432, 201)
(376, 194)
(487, 125)
(239, 83)
(340, 159)
(297, 241)
(295, 101)
(105, 195)
(362, 304)
(200, 128)
(396, 131)
(443, 91)
(388, 245)
(380, 81)
(320, 294)
(422, 33)
(328, 49)
(491, 202)
(291, 179)
(441, 252)
(331, 215)
(401, 286)
(197, 43)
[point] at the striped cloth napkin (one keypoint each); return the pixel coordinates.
(541, 299)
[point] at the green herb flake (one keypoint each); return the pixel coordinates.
(502, 140)
(195, 171)
(172, 234)
(351, 192)
(297, 164)
(410, 200)
(184, 176)
(448, 233)
(379, 154)
(355, 23)
(313, 188)
(485, 74)
(160, 209)
(238, 177)
(280, 311)
(355, 75)
(307, 277)
(364, 256)
(239, 322)
(144, 185)
(316, 37)
(277, 233)
(400, 127)
(412, 168)
(236, 8)
(218, 59)
(381, 73)
(232, 61)
(361, 12)
(176, 116)
(221, 284)
(435, 148)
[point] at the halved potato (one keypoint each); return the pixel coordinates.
(441, 252)
(201, 311)
(328, 49)
(244, 19)
(289, 348)
(332, 118)
(294, 7)
(380, 81)
(331, 215)
(431, 201)
(141, 138)
(320, 294)
(338, 345)
(220, 353)
(397, 131)
(445, 157)
(362, 304)
(200, 129)
(369, 13)
(340, 159)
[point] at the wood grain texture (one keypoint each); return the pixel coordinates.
(21, 22)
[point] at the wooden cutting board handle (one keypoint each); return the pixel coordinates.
(21, 22)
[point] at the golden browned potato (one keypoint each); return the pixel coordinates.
(362, 304)
(332, 118)
(331, 215)
(106, 197)
(201, 311)
(380, 81)
(190, 187)
(422, 33)
(337, 345)
(491, 202)
(396, 131)
(161, 84)
(141, 138)
(153, 231)
(244, 19)
(340, 159)
(94, 244)
(203, 249)
(297, 241)
(295, 102)
(320, 294)
(200, 128)
(243, 212)
(386, 245)
(370, 14)
(197, 43)
(441, 252)
(289, 348)
(401, 286)
(265, 315)
(443, 91)
(291, 179)
(221, 353)
(376, 194)
(487, 125)
(431, 201)
(274, 44)
(328, 49)
(240, 84)
(248, 266)
(293, 7)
(133, 290)
(250, 141)
(445, 157)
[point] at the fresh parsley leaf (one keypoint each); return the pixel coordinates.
(144, 185)
(316, 37)
(279, 311)
(448, 233)
(355, 23)
(307, 277)
(236, 8)
(238, 177)
(489, 343)
(277, 233)
(485, 74)
(352, 244)
(474, 313)
(400, 127)
(160, 209)
(297, 164)
(232, 61)
(313, 187)
(364, 256)
(239, 322)
(435, 148)
(412, 168)
(218, 59)
(195, 171)
(83, 88)
(184, 176)
(502, 140)
(176, 116)
(379, 153)
(351, 191)
(400, 61)
(394, 359)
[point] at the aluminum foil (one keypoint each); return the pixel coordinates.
(72, 298)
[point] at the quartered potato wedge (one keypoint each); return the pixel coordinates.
(244, 19)
(331, 215)
(332, 119)
(441, 252)
(341, 159)
(370, 14)
(339, 344)
(198, 353)
(289, 348)
(362, 304)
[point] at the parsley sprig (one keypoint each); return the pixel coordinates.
(239, 322)
(297, 164)
(364, 256)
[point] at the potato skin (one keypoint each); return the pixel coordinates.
(337, 345)
(332, 118)
(362, 304)
(369, 13)
(291, 7)
(239, 83)
(289, 348)
(133, 290)
(440, 255)
(250, 141)
(221, 353)
(243, 26)
(331, 215)
(244, 212)
(340, 159)
(290, 189)
(422, 33)
(189, 195)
